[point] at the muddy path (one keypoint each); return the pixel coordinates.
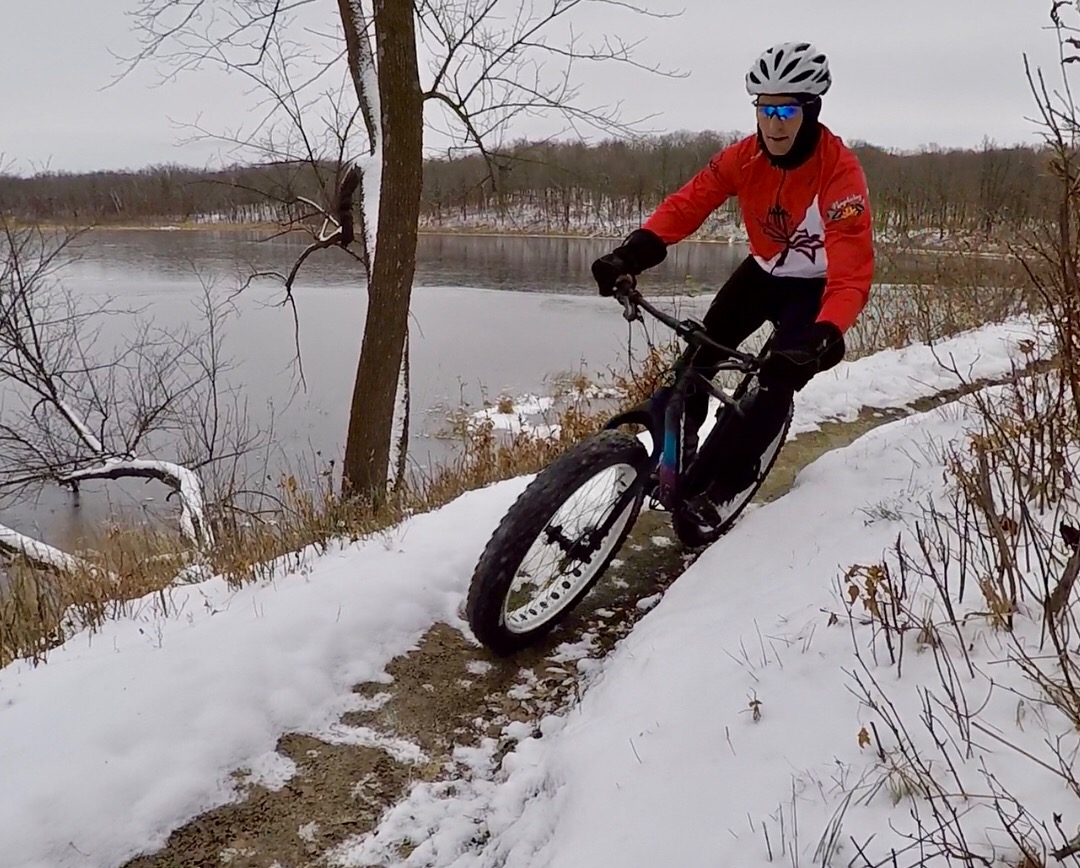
(448, 693)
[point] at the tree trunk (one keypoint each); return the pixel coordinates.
(371, 414)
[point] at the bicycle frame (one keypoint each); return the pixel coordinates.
(664, 414)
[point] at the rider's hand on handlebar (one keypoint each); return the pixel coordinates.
(818, 348)
(607, 270)
(641, 250)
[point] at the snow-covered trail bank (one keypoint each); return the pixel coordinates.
(726, 729)
(125, 735)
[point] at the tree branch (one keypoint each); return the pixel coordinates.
(41, 555)
(184, 482)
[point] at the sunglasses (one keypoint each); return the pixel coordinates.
(782, 112)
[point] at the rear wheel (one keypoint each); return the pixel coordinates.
(552, 546)
(691, 532)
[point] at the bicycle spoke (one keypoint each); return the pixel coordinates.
(565, 554)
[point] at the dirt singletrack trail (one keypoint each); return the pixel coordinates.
(449, 693)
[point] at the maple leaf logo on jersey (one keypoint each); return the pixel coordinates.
(777, 227)
(842, 209)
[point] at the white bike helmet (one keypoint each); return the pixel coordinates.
(789, 68)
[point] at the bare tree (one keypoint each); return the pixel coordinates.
(489, 66)
(996, 181)
(75, 412)
(1050, 251)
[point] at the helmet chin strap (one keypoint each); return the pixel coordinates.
(805, 140)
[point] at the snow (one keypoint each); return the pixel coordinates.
(371, 188)
(169, 705)
(193, 523)
(142, 722)
(888, 378)
(725, 730)
(516, 419)
(76, 422)
(646, 603)
(370, 165)
(402, 401)
(362, 736)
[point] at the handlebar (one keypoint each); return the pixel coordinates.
(689, 330)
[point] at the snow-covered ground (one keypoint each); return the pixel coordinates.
(124, 735)
(730, 729)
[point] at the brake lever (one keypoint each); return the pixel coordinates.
(623, 287)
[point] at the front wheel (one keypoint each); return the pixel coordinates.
(556, 541)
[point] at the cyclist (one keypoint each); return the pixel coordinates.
(805, 206)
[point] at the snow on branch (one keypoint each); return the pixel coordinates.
(39, 554)
(81, 428)
(184, 482)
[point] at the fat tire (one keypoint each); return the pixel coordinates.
(524, 522)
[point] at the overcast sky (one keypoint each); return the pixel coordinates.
(906, 73)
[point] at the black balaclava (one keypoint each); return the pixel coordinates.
(805, 140)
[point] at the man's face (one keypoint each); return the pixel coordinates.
(779, 132)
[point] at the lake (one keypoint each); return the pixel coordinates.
(491, 316)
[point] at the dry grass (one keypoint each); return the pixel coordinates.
(38, 609)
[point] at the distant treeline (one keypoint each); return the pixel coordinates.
(552, 187)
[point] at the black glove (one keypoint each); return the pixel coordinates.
(642, 249)
(818, 348)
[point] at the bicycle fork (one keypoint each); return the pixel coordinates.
(671, 459)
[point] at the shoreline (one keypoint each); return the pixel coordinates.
(489, 232)
(274, 227)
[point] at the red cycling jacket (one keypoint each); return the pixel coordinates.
(812, 221)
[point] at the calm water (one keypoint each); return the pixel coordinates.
(490, 316)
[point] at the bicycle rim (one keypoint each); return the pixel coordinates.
(564, 558)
